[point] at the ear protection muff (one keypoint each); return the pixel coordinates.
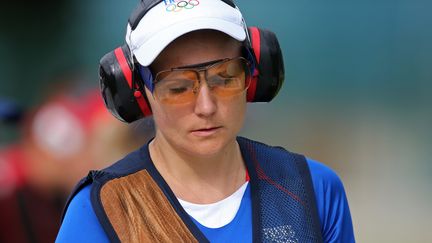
(122, 86)
(269, 72)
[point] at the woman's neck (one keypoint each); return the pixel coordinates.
(199, 179)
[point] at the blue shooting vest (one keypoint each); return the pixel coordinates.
(133, 202)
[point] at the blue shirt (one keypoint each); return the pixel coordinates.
(81, 224)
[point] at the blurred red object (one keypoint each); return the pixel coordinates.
(62, 139)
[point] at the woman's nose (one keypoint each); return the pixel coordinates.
(205, 104)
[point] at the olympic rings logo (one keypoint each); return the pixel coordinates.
(177, 7)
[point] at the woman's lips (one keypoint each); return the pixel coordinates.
(204, 132)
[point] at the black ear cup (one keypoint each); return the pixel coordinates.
(121, 86)
(269, 68)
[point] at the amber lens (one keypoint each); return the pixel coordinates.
(226, 78)
(229, 78)
(176, 87)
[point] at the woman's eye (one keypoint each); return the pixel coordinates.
(216, 80)
(177, 90)
(180, 87)
(222, 80)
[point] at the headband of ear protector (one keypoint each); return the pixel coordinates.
(122, 84)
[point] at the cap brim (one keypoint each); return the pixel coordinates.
(149, 50)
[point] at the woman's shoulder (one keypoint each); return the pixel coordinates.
(323, 174)
(80, 223)
(332, 204)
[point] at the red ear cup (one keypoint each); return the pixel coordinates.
(269, 71)
(121, 86)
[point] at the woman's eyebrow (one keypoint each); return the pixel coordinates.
(200, 65)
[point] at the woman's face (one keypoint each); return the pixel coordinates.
(209, 124)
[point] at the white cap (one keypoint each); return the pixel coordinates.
(171, 19)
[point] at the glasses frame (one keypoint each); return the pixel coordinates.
(204, 67)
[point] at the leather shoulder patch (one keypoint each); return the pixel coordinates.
(139, 211)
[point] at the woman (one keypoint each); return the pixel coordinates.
(197, 181)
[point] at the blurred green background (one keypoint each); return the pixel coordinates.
(356, 94)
